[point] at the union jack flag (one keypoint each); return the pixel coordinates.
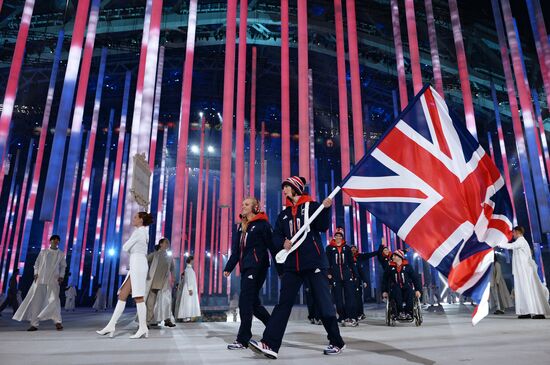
(432, 183)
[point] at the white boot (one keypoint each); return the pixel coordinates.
(142, 318)
(110, 328)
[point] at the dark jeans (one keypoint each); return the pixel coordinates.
(252, 281)
(402, 295)
(11, 300)
(344, 298)
(312, 312)
(291, 282)
(359, 304)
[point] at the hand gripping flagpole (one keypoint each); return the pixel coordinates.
(296, 240)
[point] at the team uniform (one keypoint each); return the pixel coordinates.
(308, 262)
(401, 282)
(360, 262)
(250, 250)
(384, 260)
(343, 273)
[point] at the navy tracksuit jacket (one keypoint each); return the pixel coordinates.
(344, 273)
(384, 260)
(308, 262)
(360, 261)
(311, 254)
(401, 282)
(250, 250)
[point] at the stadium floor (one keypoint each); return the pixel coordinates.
(444, 338)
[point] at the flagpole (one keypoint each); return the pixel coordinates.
(283, 254)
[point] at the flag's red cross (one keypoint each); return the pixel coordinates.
(461, 200)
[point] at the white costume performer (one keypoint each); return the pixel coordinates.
(179, 290)
(500, 298)
(42, 301)
(136, 246)
(100, 302)
(70, 298)
(189, 306)
(531, 295)
(161, 268)
(163, 305)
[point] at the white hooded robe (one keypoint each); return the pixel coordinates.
(189, 306)
(70, 298)
(530, 294)
(42, 301)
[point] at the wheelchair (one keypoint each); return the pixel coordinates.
(392, 314)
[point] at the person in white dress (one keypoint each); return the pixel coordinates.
(135, 280)
(189, 307)
(70, 298)
(531, 295)
(100, 302)
(500, 298)
(163, 306)
(42, 301)
(179, 290)
(159, 288)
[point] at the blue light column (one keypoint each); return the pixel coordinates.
(65, 107)
(38, 164)
(105, 183)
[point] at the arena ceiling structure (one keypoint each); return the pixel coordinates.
(120, 28)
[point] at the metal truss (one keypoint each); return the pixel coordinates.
(120, 30)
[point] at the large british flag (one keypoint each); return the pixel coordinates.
(431, 182)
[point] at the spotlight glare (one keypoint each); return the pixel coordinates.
(111, 252)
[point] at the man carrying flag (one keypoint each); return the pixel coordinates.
(432, 183)
(308, 263)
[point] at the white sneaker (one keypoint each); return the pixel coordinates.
(236, 346)
(352, 323)
(333, 350)
(262, 348)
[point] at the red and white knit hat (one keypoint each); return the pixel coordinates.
(297, 183)
(399, 253)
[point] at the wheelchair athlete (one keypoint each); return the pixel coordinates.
(401, 282)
